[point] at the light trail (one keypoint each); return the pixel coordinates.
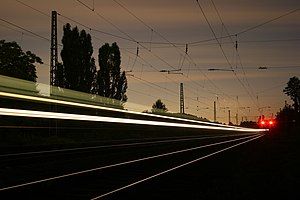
(41, 99)
(65, 116)
(122, 163)
(120, 145)
(172, 169)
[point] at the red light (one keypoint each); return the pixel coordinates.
(271, 122)
(262, 122)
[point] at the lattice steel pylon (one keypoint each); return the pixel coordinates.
(53, 49)
(181, 99)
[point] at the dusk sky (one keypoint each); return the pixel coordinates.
(275, 45)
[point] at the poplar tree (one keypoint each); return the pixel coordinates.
(79, 68)
(111, 82)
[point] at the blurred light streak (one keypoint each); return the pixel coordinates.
(64, 116)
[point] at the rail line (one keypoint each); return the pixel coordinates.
(129, 162)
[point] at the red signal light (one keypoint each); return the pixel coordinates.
(266, 123)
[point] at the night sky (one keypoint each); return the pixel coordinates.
(275, 45)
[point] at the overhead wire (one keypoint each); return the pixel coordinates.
(98, 38)
(77, 22)
(249, 28)
(268, 21)
(195, 43)
(153, 67)
(123, 32)
(136, 18)
(25, 29)
(173, 93)
(235, 43)
(10, 28)
(222, 50)
(169, 42)
(37, 10)
(43, 13)
(70, 19)
(108, 21)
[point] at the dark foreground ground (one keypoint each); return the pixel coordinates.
(267, 168)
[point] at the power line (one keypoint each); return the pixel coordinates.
(267, 22)
(137, 42)
(93, 29)
(131, 39)
(35, 9)
(157, 70)
(254, 68)
(70, 19)
(168, 42)
(234, 43)
(223, 52)
(223, 42)
(26, 30)
(85, 26)
(108, 21)
(10, 28)
(41, 12)
(123, 32)
(247, 29)
(151, 66)
(271, 40)
(163, 43)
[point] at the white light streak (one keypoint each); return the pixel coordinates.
(65, 116)
(48, 100)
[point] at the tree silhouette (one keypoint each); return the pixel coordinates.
(78, 64)
(287, 118)
(15, 63)
(111, 82)
(293, 90)
(159, 106)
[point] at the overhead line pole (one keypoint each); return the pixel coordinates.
(53, 49)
